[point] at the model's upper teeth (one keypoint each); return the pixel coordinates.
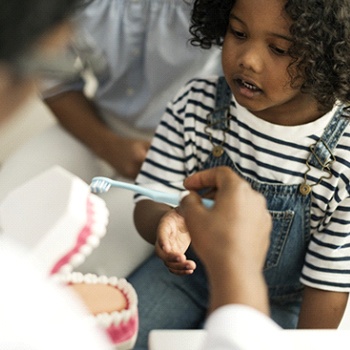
(249, 86)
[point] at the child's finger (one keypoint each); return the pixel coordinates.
(181, 272)
(185, 268)
(185, 265)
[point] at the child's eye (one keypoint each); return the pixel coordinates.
(238, 34)
(278, 51)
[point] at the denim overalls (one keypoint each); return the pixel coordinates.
(168, 301)
(289, 206)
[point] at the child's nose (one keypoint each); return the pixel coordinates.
(251, 58)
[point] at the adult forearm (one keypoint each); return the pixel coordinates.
(230, 284)
(78, 115)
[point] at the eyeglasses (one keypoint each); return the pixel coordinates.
(80, 56)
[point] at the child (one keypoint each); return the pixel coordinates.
(280, 120)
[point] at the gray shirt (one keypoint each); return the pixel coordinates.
(145, 44)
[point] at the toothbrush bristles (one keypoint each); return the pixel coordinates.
(100, 186)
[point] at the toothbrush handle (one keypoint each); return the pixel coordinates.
(207, 202)
(156, 195)
(170, 198)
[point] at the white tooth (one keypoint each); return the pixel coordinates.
(66, 269)
(101, 216)
(126, 315)
(77, 259)
(103, 279)
(249, 86)
(90, 278)
(113, 281)
(116, 318)
(123, 283)
(77, 277)
(98, 229)
(104, 319)
(93, 241)
(86, 249)
(98, 201)
(132, 297)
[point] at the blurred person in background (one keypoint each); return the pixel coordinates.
(144, 57)
(35, 314)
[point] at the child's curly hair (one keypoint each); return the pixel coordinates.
(320, 48)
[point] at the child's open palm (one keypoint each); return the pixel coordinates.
(172, 242)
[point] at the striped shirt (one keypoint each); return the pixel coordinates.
(264, 152)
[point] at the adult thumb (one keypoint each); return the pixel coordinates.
(191, 203)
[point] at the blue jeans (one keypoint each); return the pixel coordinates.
(168, 301)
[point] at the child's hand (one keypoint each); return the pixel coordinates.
(172, 242)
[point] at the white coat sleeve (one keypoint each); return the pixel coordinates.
(239, 327)
(37, 314)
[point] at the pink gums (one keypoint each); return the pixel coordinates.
(84, 234)
(124, 330)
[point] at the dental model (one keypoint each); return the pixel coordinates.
(112, 301)
(57, 219)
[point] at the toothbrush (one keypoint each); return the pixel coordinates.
(102, 184)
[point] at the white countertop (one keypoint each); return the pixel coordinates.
(297, 339)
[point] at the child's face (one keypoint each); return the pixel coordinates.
(255, 63)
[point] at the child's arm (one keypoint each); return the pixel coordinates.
(147, 215)
(164, 227)
(322, 309)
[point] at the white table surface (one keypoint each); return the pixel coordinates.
(175, 339)
(298, 339)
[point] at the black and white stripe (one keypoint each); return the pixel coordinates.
(265, 152)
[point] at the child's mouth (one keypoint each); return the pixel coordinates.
(247, 85)
(246, 88)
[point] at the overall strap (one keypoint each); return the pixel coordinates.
(218, 118)
(321, 155)
(322, 151)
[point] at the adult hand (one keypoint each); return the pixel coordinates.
(172, 242)
(80, 117)
(238, 226)
(126, 155)
(231, 238)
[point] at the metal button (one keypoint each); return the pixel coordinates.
(305, 189)
(218, 151)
